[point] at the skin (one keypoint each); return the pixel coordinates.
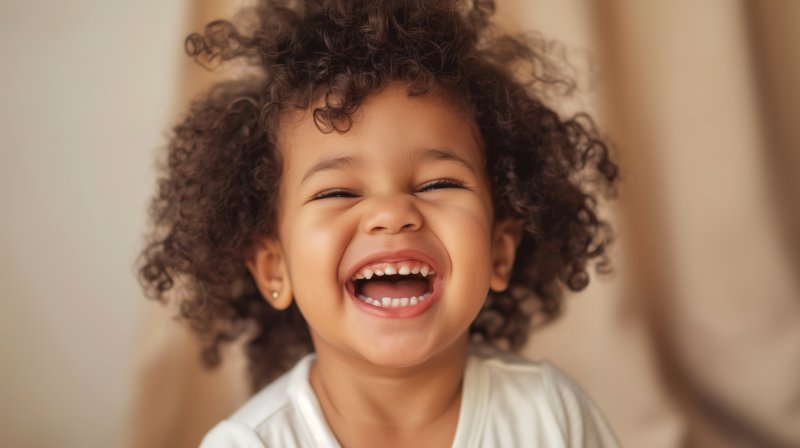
(382, 381)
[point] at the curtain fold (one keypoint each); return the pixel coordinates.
(775, 38)
(684, 100)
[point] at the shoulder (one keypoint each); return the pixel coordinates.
(228, 434)
(269, 403)
(515, 376)
(266, 419)
(539, 395)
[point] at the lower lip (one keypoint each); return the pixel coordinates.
(404, 312)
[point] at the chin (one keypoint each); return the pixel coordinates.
(404, 353)
(398, 354)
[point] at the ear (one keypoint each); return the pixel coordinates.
(506, 236)
(267, 265)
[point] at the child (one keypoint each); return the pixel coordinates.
(386, 191)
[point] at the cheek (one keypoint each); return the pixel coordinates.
(314, 253)
(466, 233)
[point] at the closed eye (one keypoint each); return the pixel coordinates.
(334, 194)
(441, 184)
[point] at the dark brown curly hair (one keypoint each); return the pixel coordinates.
(217, 189)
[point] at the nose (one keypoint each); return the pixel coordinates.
(391, 214)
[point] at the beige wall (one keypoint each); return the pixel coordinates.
(86, 88)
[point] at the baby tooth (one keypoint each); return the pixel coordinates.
(369, 300)
(424, 271)
(404, 301)
(395, 303)
(415, 270)
(368, 273)
(359, 277)
(404, 270)
(413, 301)
(386, 301)
(390, 270)
(378, 272)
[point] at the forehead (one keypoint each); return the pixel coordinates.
(389, 124)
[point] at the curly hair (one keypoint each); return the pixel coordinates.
(217, 189)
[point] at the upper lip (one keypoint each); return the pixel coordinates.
(393, 257)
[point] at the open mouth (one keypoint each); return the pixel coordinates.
(393, 285)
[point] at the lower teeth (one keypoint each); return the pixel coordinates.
(389, 302)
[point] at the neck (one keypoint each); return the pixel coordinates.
(399, 400)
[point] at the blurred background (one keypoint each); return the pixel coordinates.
(693, 341)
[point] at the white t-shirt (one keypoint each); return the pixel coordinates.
(507, 402)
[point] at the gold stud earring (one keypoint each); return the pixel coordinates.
(274, 295)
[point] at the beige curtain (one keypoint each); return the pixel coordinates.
(695, 339)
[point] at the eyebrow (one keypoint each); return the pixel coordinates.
(332, 164)
(428, 154)
(434, 154)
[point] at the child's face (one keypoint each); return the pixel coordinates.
(404, 188)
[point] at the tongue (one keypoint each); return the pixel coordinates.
(396, 289)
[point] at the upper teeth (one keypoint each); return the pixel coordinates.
(401, 268)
